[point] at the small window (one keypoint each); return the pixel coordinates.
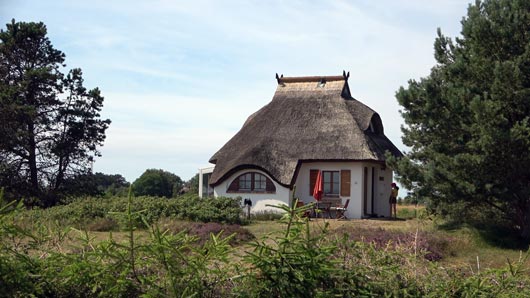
(260, 182)
(252, 182)
(330, 179)
(376, 126)
(245, 181)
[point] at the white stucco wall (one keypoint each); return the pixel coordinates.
(382, 181)
(304, 194)
(259, 200)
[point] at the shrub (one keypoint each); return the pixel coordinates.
(163, 265)
(266, 215)
(84, 213)
(202, 231)
(295, 262)
(430, 246)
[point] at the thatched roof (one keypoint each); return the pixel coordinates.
(308, 119)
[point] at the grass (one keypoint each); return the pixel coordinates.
(417, 253)
(463, 247)
(470, 249)
(459, 246)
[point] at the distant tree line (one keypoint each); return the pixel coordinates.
(97, 185)
(152, 182)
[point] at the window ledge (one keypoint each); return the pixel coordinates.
(251, 191)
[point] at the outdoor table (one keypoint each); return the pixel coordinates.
(323, 208)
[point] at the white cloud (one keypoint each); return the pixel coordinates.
(180, 77)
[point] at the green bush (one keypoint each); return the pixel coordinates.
(203, 231)
(84, 213)
(164, 265)
(266, 215)
(295, 262)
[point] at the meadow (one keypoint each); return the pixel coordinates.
(192, 247)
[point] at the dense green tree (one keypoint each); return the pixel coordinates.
(159, 183)
(193, 184)
(97, 185)
(51, 126)
(468, 124)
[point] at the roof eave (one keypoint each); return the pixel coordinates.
(250, 167)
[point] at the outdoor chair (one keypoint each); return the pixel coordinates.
(341, 210)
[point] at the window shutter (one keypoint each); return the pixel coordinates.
(312, 180)
(269, 185)
(345, 183)
(234, 186)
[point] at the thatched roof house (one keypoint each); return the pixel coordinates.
(310, 121)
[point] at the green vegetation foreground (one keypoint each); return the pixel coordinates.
(301, 259)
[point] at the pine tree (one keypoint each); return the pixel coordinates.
(468, 122)
(51, 126)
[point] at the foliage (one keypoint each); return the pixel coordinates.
(468, 122)
(432, 247)
(295, 264)
(51, 126)
(83, 213)
(412, 199)
(203, 230)
(266, 215)
(298, 262)
(158, 183)
(96, 185)
(193, 184)
(167, 265)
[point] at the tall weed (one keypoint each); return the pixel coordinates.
(295, 263)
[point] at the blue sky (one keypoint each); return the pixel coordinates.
(180, 77)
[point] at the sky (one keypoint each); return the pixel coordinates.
(180, 77)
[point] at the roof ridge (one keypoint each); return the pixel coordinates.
(281, 79)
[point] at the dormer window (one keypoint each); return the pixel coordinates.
(252, 182)
(376, 126)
